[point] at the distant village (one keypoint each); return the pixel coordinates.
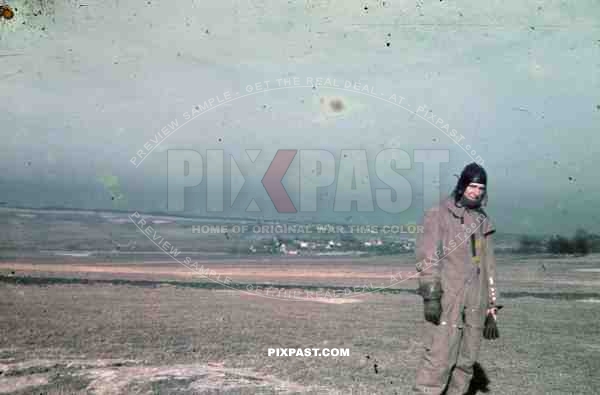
(377, 246)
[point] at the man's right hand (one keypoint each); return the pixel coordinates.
(433, 310)
(431, 291)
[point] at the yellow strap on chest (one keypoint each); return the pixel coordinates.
(477, 257)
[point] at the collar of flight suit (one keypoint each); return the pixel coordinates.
(460, 211)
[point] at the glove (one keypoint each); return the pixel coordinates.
(490, 329)
(433, 310)
(431, 291)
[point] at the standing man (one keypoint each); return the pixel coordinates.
(457, 280)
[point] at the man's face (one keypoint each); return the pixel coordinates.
(475, 191)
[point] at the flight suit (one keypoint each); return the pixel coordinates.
(456, 249)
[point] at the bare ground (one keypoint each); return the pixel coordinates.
(122, 338)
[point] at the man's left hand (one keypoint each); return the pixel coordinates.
(494, 310)
(490, 330)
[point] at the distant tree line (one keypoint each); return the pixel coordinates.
(582, 243)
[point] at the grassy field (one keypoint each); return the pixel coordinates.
(109, 328)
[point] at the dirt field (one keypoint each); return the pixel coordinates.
(156, 327)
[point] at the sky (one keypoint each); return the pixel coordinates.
(83, 88)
